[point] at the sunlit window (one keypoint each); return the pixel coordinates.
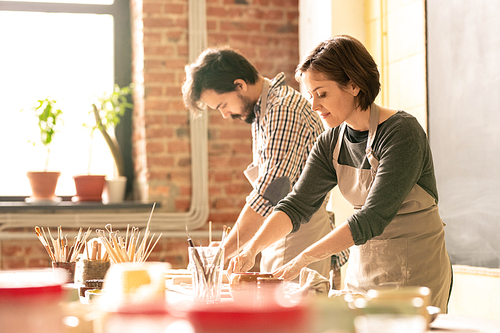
(68, 57)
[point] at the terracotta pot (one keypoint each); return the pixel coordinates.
(43, 184)
(89, 187)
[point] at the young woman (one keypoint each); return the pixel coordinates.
(381, 160)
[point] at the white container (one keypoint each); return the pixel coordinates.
(114, 190)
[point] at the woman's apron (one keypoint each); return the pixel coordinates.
(411, 250)
(293, 244)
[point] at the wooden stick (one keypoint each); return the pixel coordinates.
(151, 250)
(146, 233)
(209, 232)
(94, 250)
(148, 247)
(99, 254)
(126, 237)
(131, 248)
(238, 241)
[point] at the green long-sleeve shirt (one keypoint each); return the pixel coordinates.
(405, 159)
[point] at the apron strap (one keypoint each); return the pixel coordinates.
(372, 158)
(252, 171)
(336, 151)
(263, 102)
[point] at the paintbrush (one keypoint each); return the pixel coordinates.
(197, 259)
(44, 243)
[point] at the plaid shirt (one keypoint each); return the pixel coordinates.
(282, 138)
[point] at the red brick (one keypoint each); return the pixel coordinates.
(182, 205)
(155, 147)
(221, 177)
(164, 161)
(229, 134)
(240, 26)
(242, 148)
(223, 204)
(159, 22)
(12, 248)
(174, 36)
(238, 189)
(151, 8)
(273, 14)
(216, 11)
(175, 8)
(181, 176)
(220, 38)
(213, 191)
(228, 218)
(158, 77)
(151, 38)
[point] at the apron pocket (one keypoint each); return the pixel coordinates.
(379, 263)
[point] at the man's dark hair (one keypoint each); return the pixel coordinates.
(216, 68)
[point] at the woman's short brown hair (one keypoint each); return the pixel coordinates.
(343, 59)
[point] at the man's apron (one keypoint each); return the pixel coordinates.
(290, 246)
(411, 250)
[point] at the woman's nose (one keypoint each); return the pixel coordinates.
(315, 105)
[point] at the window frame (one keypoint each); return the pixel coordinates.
(120, 11)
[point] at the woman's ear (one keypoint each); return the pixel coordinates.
(353, 88)
(241, 85)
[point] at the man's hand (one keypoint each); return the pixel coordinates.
(241, 263)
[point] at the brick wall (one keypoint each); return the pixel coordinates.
(266, 32)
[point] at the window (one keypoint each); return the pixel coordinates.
(72, 51)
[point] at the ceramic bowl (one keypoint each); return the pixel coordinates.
(243, 286)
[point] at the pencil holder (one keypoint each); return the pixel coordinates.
(90, 270)
(69, 266)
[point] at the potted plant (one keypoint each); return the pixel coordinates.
(43, 183)
(107, 112)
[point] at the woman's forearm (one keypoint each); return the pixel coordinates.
(337, 240)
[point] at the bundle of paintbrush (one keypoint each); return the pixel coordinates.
(129, 248)
(94, 263)
(58, 248)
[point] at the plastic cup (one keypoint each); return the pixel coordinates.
(206, 270)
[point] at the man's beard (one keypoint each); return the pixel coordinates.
(247, 113)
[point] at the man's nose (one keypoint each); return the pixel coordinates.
(225, 113)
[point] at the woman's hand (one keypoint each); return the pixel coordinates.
(241, 263)
(291, 269)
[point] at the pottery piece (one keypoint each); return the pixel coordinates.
(253, 287)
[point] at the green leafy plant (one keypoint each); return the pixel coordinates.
(108, 112)
(49, 117)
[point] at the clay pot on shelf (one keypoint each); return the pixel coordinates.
(89, 187)
(43, 185)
